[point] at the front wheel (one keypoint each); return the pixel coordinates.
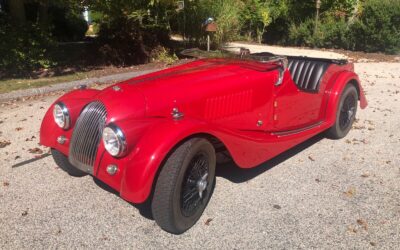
(184, 186)
(345, 114)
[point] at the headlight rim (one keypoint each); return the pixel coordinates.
(121, 139)
(66, 115)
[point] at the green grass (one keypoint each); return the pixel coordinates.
(17, 84)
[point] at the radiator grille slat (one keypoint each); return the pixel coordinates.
(86, 136)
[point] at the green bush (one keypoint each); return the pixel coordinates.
(124, 41)
(332, 33)
(302, 34)
(23, 48)
(378, 27)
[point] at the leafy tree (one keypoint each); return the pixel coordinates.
(377, 27)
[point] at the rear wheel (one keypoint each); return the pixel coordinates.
(345, 114)
(63, 163)
(184, 186)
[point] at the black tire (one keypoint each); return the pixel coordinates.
(345, 113)
(179, 177)
(62, 161)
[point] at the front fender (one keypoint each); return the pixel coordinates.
(334, 91)
(150, 151)
(49, 131)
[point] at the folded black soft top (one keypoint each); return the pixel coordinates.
(327, 60)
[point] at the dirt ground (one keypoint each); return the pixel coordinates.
(353, 56)
(321, 194)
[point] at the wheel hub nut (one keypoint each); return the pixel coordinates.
(201, 186)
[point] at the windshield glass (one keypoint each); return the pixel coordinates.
(233, 53)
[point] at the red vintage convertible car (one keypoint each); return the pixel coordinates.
(157, 136)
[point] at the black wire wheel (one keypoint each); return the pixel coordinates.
(345, 114)
(184, 186)
(194, 186)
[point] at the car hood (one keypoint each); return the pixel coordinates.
(122, 102)
(183, 86)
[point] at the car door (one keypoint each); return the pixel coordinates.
(294, 108)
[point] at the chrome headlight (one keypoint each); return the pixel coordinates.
(61, 115)
(114, 140)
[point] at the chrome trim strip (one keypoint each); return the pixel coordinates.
(121, 137)
(296, 131)
(67, 122)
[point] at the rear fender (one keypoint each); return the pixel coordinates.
(335, 89)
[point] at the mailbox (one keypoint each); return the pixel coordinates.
(211, 27)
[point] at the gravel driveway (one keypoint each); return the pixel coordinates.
(322, 194)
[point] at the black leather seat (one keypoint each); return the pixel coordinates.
(307, 73)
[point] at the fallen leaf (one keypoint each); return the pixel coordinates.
(362, 223)
(4, 143)
(365, 175)
(311, 159)
(318, 180)
(6, 183)
(351, 229)
(350, 192)
(23, 120)
(104, 238)
(25, 213)
(17, 157)
(30, 139)
(18, 129)
(35, 151)
(277, 207)
(207, 223)
(372, 243)
(359, 127)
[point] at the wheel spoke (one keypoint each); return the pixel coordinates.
(194, 187)
(347, 112)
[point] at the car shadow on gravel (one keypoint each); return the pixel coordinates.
(229, 171)
(235, 174)
(143, 208)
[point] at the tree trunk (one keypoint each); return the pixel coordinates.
(43, 14)
(17, 10)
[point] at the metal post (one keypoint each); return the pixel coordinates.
(318, 5)
(184, 24)
(208, 41)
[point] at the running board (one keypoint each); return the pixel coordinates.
(297, 131)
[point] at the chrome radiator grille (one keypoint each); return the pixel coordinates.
(86, 136)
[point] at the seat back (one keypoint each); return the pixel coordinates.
(307, 73)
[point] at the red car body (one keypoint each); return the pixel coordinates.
(233, 102)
